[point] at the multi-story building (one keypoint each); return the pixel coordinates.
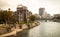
(29, 13)
(41, 11)
(21, 13)
(46, 15)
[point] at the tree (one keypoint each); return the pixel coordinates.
(7, 17)
(32, 18)
(1, 17)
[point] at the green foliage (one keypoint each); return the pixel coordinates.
(21, 22)
(7, 17)
(58, 17)
(32, 18)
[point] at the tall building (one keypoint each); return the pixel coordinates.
(41, 11)
(46, 15)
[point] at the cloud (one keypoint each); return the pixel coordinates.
(3, 3)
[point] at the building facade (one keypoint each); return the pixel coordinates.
(29, 13)
(22, 14)
(41, 11)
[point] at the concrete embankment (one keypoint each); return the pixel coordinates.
(24, 27)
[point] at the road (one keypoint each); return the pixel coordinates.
(45, 29)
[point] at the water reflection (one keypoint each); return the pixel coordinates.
(49, 29)
(45, 29)
(23, 33)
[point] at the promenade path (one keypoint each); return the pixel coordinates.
(13, 33)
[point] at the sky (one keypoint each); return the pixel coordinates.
(51, 6)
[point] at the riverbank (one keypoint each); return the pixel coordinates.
(17, 30)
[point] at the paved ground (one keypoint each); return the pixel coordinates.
(11, 33)
(15, 31)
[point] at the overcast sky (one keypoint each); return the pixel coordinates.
(51, 6)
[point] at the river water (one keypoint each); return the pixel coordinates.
(45, 29)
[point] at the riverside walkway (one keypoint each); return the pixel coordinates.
(13, 33)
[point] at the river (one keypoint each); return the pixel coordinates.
(45, 29)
